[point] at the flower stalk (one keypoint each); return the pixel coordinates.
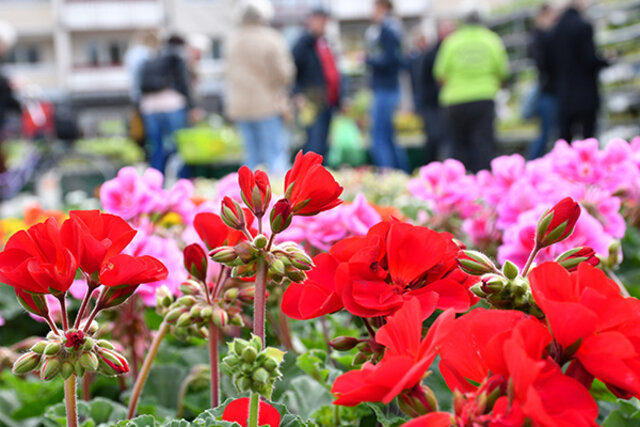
(70, 400)
(260, 300)
(254, 407)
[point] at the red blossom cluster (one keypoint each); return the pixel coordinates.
(45, 258)
(506, 367)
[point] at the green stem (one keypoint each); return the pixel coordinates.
(70, 401)
(260, 300)
(213, 360)
(254, 407)
(532, 256)
(146, 368)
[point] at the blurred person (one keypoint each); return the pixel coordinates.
(545, 104)
(413, 61)
(317, 83)
(433, 115)
(577, 65)
(143, 47)
(384, 59)
(165, 101)
(471, 64)
(259, 72)
(8, 101)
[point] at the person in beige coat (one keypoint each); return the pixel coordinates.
(259, 72)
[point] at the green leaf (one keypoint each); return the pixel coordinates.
(98, 412)
(627, 414)
(313, 364)
(385, 419)
(141, 421)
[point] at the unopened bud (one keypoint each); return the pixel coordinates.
(510, 270)
(184, 320)
(571, 258)
(232, 214)
(360, 358)
(419, 400)
(67, 369)
(277, 266)
(105, 344)
(206, 313)
(195, 261)
(195, 311)
(112, 363)
(50, 368)
(190, 287)
(243, 384)
(26, 363)
(271, 364)
(219, 317)
(249, 354)
(52, 349)
(344, 343)
(231, 294)
(236, 320)
(173, 315)
(39, 347)
(186, 300)
(163, 297)
(295, 275)
(475, 263)
(557, 223)
(223, 255)
(261, 376)
(89, 361)
(260, 241)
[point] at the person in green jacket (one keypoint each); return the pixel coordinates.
(471, 66)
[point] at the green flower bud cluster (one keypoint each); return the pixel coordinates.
(190, 314)
(289, 263)
(72, 353)
(507, 290)
(253, 368)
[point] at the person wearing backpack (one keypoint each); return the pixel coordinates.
(166, 100)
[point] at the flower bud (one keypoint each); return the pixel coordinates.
(614, 257)
(419, 400)
(510, 270)
(249, 354)
(247, 294)
(52, 349)
(190, 287)
(163, 297)
(26, 363)
(232, 214)
(195, 311)
(236, 320)
(301, 260)
(261, 376)
(206, 313)
(184, 320)
(223, 254)
(492, 283)
(239, 345)
(89, 361)
(50, 368)
(67, 369)
(277, 266)
(93, 328)
(557, 223)
(360, 358)
(271, 364)
(571, 258)
(243, 384)
(295, 275)
(231, 294)
(186, 300)
(231, 361)
(105, 344)
(344, 343)
(173, 315)
(478, 290)
(255, 190)
(256, 342)
(281, 215)
(260, 241)
(219, 317)
(74, 339)
(195, 261)
(39, 347)
(475, 263)
(245, 251)
(111, 362)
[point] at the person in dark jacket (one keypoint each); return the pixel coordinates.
(166, 101)
(384, 59)
(317, 83)
(8, 101)
(432, 113)
(540, 50)
(577, 65)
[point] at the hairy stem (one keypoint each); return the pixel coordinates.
(213, 360)
(146, 368)
(254, 408)
(86, 386)
(532, 256)
(83, 306)
(70, 401)
(286, 331)
(63, 310)
(260, 300)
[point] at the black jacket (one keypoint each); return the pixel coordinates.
(309, 75)
(540, 50)
(385, 55)
(8, 102)
(576, 63)
(430, 89)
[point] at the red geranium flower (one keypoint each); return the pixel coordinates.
(35, 260)
(127, 270)
(397, 262)
(256, 190)
(592, 324)
(309, 187)
(406, 359)
(316, 296)
(238, 411)
(94, 237)
(505, 352)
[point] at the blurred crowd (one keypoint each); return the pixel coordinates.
(455, 76)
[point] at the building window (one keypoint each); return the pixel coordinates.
(25, 54)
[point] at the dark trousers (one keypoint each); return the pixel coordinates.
(472, 134)
(318, 133)
(583, 124)
(547, 111)
(437, 145)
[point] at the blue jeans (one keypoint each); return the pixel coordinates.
(159, 128)
(384, 151)
(547, 111)
(318, 133)
(265, 143)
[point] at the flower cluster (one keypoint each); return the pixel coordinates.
(43, 261)
(503, 204)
